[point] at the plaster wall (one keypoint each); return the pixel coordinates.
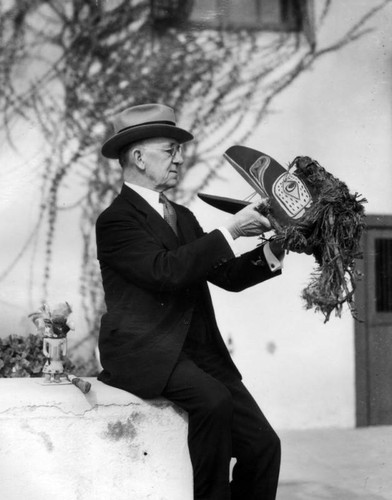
(300, 370)
(56, 442)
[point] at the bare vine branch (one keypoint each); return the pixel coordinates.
(69, 66)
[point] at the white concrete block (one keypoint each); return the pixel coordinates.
(56, 442)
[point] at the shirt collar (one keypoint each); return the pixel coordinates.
(149, 195)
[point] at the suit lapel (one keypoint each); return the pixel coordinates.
(157, 226)
(185, 227)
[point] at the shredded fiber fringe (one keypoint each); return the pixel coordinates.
(330, 230)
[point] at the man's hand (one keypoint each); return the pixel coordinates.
(248, 222)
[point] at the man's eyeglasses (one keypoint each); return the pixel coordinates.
(173, 150)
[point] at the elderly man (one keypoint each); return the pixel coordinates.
(159, 336)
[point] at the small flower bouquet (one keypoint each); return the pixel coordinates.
(55, 322)
(53, 325)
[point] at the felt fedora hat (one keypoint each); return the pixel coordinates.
(143, 122)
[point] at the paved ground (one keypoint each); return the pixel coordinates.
(338, 464)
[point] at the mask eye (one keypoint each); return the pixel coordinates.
(290, 186)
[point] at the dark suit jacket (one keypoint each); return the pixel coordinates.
(150, 283)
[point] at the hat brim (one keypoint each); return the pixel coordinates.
(112, 147)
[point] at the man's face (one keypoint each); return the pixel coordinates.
(162, 159)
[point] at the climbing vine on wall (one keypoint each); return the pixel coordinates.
(69, 66)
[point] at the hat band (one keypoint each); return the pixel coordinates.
(147, 123)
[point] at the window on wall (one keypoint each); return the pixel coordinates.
(170, 12)
(251, 14)
(257, 15)
(383, 274)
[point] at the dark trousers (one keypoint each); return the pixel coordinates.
(224, 422)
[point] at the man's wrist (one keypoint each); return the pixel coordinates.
(276, 247)
(275, 262)
(232, 230)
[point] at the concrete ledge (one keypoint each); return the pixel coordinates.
(105, 445)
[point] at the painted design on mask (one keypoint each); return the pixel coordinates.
(258, 169)
(292, 195)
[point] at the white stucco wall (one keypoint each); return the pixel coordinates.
(56, 442)
(300, 370)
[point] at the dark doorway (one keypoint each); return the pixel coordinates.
(373, 337)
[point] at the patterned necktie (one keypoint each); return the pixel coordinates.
(169, 214)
